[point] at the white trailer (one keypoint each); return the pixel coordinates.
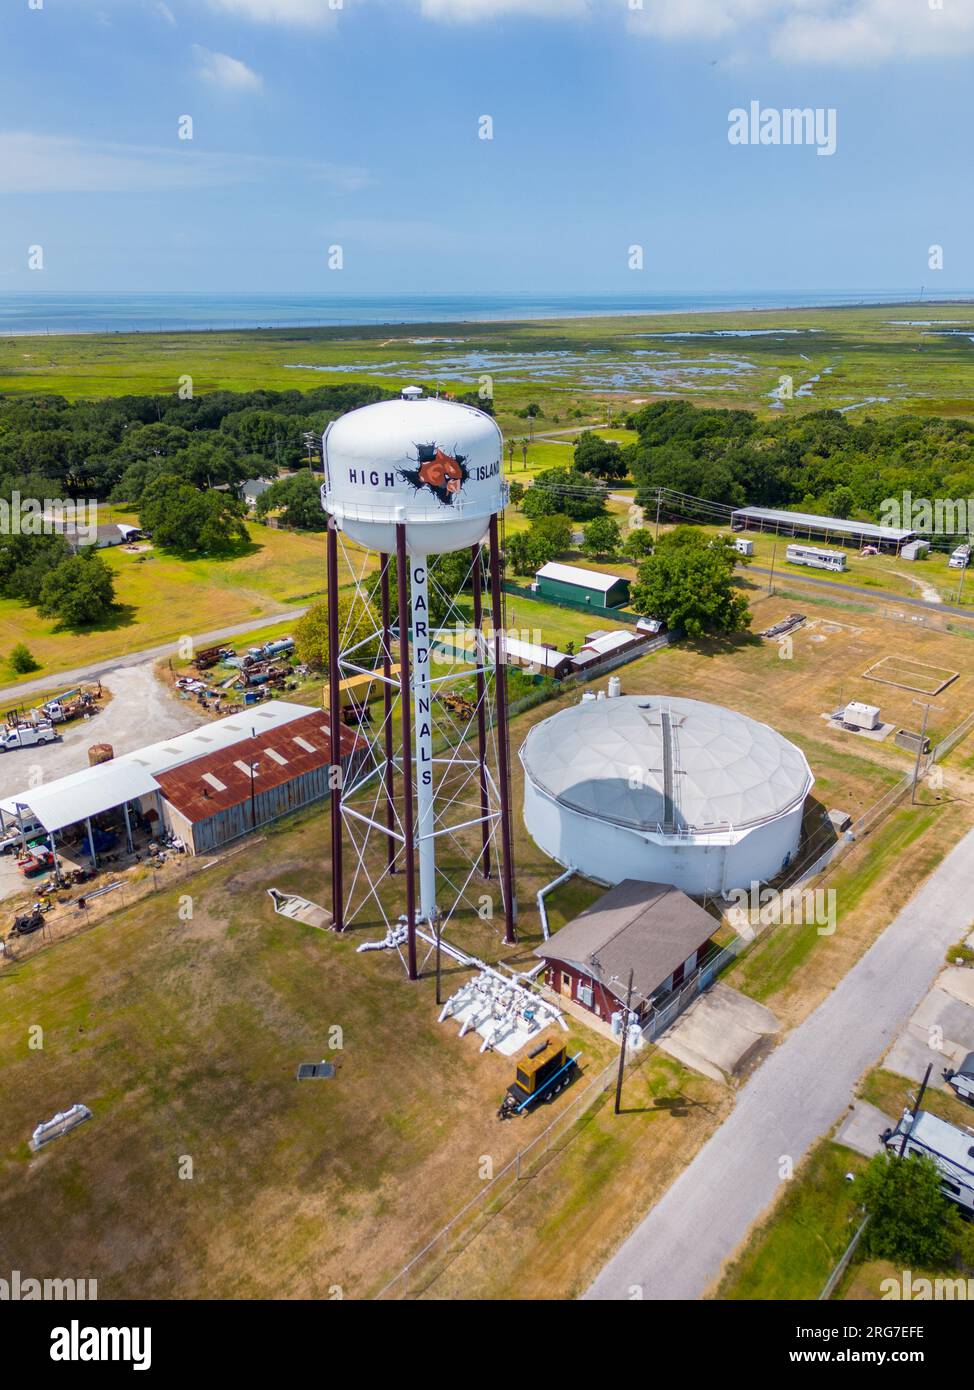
(950, 1147)
(961, 1079)
(960, 558)
(742, 546)
(861, 716)
(816, 558)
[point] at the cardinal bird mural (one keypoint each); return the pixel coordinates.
(443, 474)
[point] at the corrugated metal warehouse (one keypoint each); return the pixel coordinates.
(226, 794)
(581, 586)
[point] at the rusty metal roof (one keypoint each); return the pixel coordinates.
(215, 782)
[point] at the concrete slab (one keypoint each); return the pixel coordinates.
(958, 980)
(910, 1056)
(861, 1128)
(722, 1029)
(946, 1019)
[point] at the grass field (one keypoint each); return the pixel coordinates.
(160, 598)
(573, 369)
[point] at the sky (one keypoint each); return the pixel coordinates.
(361, 124)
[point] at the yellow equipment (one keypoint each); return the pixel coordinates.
(540, 1076)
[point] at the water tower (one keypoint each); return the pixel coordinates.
(411, 480)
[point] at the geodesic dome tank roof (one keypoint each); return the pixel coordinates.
(659, 763)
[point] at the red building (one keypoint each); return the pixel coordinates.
(652, 929)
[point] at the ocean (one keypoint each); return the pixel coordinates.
(28, 314)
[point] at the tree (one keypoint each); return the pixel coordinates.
(638, 544)
(688, 582)
(600, 457)
(565, 490)
(602, 537)
(311, 632)
(517, 494)
(21, 660)
(183, 519)
(911, 1222)
(298, 499)
(517, 554)
(79, 591)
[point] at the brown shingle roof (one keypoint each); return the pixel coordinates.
(194, 788)
(649, 928)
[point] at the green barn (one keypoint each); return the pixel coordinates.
(567, 582)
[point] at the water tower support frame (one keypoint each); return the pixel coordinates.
(503, 767)
(335, 730)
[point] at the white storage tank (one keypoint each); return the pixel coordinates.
(434, 465)
(666, 790)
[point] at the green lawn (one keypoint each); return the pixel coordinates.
(792, 1254)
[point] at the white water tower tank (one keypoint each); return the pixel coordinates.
(434, 465)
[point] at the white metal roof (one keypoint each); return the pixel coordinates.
(611, 641)
(810, 521)
(941, 1138)
(516, 650)
(652, 762)
(101, 788)
(572, 574)
(212, 738)
(82, 794)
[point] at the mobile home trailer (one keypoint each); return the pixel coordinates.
(814, 558)
(960, 558)
(950, 1147)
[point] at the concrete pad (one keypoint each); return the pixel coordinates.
(672, 1044)
(941, 1012)
(722, 1028)
(861, 1128)
(910, 1056)
(958, 980)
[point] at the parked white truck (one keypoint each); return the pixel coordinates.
(27, 736)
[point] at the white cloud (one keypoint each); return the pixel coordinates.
(31, 163)
(820, 31)
(472, 10)
(800, 31)
(164, 12)
(229, 74)
(306, 13)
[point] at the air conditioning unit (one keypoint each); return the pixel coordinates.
(586, 996)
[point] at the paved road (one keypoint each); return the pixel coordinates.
(98, 670)
(792, 1099)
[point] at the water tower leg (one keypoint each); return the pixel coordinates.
(390, 771)
(402, 582)
(478, 624)
(335, 727)
(503, 769)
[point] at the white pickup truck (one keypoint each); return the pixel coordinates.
(27, 736)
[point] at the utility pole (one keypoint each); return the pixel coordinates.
(774, 551)
(622, 1050)
(927, 707)
(659, 503)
